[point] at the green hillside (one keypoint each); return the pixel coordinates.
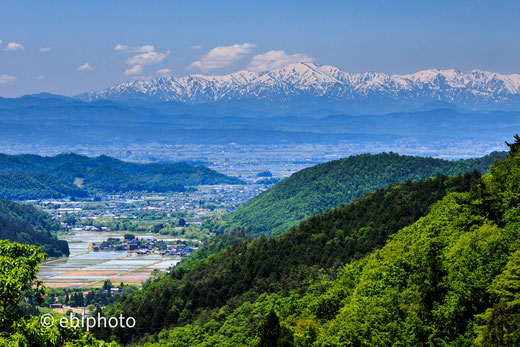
(449, 278)
(75, 175)
(24, 186)
(315, 189)
(25, 224)
(205, 289)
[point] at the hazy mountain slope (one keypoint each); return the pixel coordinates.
(325, 186)
(57, 120)
(25, 224)
(300, 81)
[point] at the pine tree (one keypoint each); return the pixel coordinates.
(271, 334)
(515, 146)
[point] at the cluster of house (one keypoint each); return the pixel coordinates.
(85, 228)
(178, 250)
(148, 247)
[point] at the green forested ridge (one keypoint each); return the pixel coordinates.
(25, 224)
(25, 186)
(50, 176)
(450, 278)
(315, 189)
(210, 289)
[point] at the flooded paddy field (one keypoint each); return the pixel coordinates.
(85, 268)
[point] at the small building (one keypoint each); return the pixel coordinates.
(57, 304)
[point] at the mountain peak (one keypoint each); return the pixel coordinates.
(301, 67)
(310, 80)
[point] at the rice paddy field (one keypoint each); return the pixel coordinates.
(85, 268)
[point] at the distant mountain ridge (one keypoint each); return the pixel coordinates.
(57, 120)
(32, 176)
(304, 82)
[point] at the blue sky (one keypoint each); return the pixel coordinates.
(68, 47)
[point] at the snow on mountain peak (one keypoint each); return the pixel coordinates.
(313, 80)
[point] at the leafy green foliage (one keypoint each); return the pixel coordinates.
(271, 334)
(501, 323)
(18, 270)
(51, 176)
(321, 187)
(27, 225)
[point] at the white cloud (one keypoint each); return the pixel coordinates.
(1, 42)
(40, 77)
(6, 79)
(194, 47)
(14, 46)
(222, 56)
(136, 49)
(275, 60)
(147, 58)
(85, 67)
(165, 72)
(134, 70)
(44, 49)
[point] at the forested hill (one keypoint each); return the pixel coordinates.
(26, 186)
(449, 278)
(315, 189)
(240, 275)
(25, 224)
(77, 175)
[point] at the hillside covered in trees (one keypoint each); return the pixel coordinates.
(27, 186)
(209, 296)
(315, 189)
(25, 224)
(428, 263)
(34, 177)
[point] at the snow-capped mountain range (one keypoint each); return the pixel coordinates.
(317, 83)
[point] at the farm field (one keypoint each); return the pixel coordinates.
(85, 268)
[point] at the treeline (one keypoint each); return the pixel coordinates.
(27, 225)
(35, 177)
(321, 187)
(208, 290)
